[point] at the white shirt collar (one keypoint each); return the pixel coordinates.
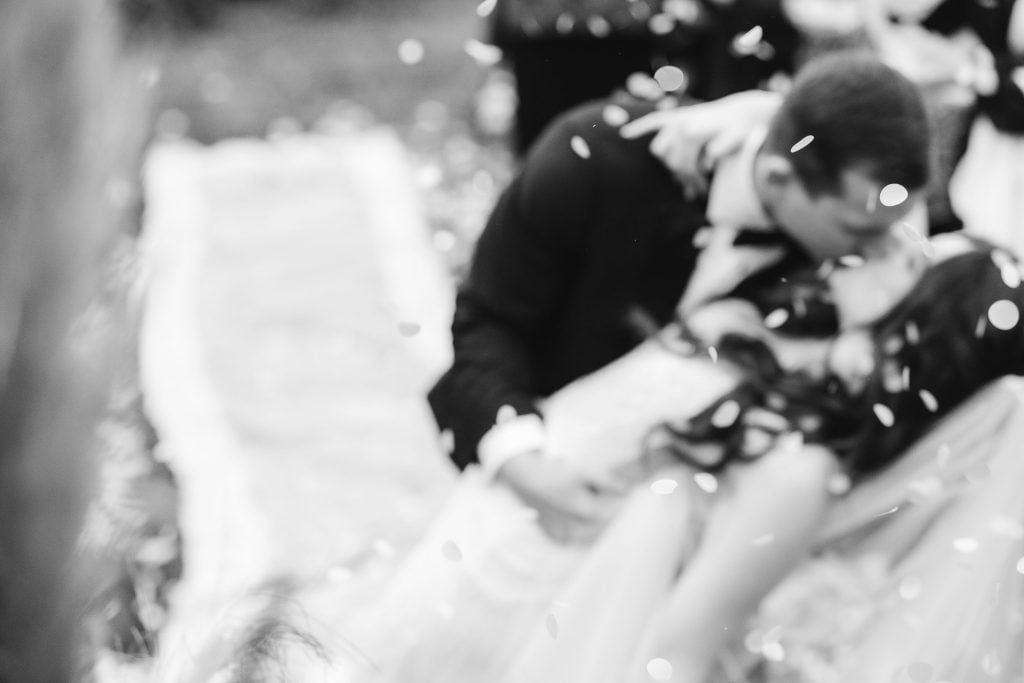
(732, 196)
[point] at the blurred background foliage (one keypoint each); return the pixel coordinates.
(243, 67)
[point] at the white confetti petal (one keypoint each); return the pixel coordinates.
(803, 142)
(661, 24)
(838, 484)
(965, 544)
(483, 53)
(614, 115)
(1003, 314)
(773, 652)
(664, 487)
(851, 261)
(713, 352)
(659, 669)
(910, 587)
(892, 510)
(410, 51)
(706, 481)
(929, 400)
(725, 415)
(505, 414)
(893, 194)
(670, 78)
(776, 318)
(913, 332)
(451, 551)
(580, 146)
(551, 626)
(485, 8)
(884, 414)
(746, 43)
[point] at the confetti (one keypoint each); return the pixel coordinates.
(551, 626)
(838, 484)
(643, 86)
(965, 544)
(929, 400)
(1004, 315)
(804, 141)
(905, 376)
(670, 78)
(580, 146)
(485, 8)
(661, 24)
(851, 261)
(884, 414)
(912, 232)
(713, 352)
(893, 509)
(664, 487)
(659, 669)
(979, 329)
(893, 194)
(910, 587)
(599, 27)
(725, 415)
(451, 551)
(482, 53)
(747, 43)
(614, 115)
(1008, 270)
(773, 651)
(706, 481)
(776, 318)
(410, 51)
(564, 23)
(408, 329)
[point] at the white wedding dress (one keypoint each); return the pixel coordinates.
(919, 573)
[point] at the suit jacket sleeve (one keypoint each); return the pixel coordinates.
(523, 264)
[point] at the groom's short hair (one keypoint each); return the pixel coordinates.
(862, 115)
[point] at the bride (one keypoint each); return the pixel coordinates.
(903, 573)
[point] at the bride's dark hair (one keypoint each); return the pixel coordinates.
(942, 343)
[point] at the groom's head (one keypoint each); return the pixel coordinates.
(849, 127)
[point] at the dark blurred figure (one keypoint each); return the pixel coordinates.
(564, 52)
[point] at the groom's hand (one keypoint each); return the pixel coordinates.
(573, 507)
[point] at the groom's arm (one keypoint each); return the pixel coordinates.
(522, 269)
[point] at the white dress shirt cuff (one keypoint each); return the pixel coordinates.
(508, 439)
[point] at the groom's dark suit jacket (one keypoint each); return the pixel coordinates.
(593, 230)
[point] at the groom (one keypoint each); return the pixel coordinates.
(594, 229)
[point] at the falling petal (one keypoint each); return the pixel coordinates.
(838, 484)
(664, 487)
(661, 24)
(482, 53)
(851, 261)
(713, 352)
(614, 115)
(659, 669)
(965, 544)
(485, 8)
(893, 194)
(670, 78)
(565, 23)
(913, 332)
(643, 86)
(746, 43)
(906, 377)
(910, 587)
(725, 415)
(551, 625)
(763, 539)
(580, 146)
(410, 51)
(776, 318)
(979, 329)
(451, 551)
(893, 509)
(804, 141)
(505, 414)
(1011, 276)
(706, 481)
(599, 27)
(929, 400)
(773, 652)
(1004, 314)
(884, 414)
(408, 329)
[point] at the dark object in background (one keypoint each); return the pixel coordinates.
(565, 52)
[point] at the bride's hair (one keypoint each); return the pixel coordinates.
(943, 341)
